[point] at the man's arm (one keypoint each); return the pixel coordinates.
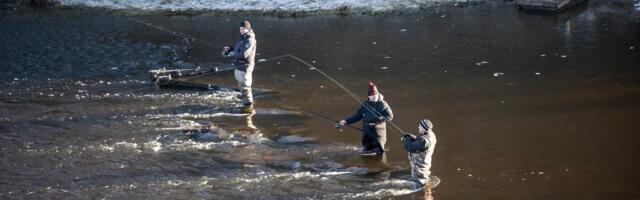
(227, 51)
(355, 117)
(387, 113)
(245, 50)
(251, 49)
(419, 144)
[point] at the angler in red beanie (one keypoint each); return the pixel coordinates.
(374, 114)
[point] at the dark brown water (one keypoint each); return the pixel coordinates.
(525, 106)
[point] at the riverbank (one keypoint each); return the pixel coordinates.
(259, 8)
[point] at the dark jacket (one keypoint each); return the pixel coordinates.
(374, 137)
(420, 144)
(244, 52)
(368, 116)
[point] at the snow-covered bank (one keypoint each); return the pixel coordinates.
(265, 6)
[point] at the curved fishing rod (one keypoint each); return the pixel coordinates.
(346, 90)
(353, 95)
(318, 115)
(176, 33)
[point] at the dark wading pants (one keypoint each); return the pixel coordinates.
(374, 138)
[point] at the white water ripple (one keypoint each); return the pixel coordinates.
(259, 5)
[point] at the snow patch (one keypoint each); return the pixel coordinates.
(259, 5)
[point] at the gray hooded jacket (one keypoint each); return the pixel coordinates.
(244, 52)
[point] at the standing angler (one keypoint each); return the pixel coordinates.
(374, 114)
(244, 55)
(420, 150)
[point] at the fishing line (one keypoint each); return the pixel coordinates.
(187, 36)
(176, 33)
(369, 108)
(349, 92)
(315, 114)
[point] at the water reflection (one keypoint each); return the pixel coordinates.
(249, 118)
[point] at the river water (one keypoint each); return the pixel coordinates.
(525, 105)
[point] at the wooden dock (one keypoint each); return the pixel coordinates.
(547, 5)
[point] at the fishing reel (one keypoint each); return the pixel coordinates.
(339, 127)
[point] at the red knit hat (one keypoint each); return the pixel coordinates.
(373, 90)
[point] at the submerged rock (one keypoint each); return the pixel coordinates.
(287, 164)
(208, 136)
(294, 139)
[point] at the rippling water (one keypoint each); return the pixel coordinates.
(526, 106)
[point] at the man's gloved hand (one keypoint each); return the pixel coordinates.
(225, 51)
(382, 118)
(408, 137)
(338, 127)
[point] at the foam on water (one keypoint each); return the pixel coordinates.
(210, 115)
(194, 116)
(381, 189)
(396, 182)
(380, 193)
(215, 95)
(263, 177)
(386, 188)
(322, 179)
(194, 145)
(126, 146)
(156, 146)
(260, 184)
(334, 173)
(224, 141)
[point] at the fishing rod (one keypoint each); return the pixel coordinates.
(346, 90)
(315, 114)
(186, 37)
(176, 33)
